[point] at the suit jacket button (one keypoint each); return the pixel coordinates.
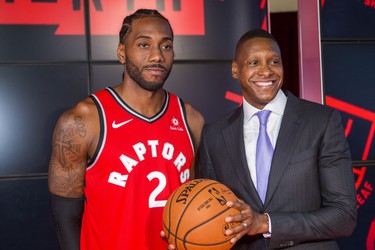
(291, 243)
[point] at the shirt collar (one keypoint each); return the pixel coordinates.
(277, 106)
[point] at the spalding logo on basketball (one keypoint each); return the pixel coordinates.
(194, 216)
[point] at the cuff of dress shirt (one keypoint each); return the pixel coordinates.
(268, 235)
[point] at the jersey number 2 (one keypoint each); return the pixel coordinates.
(152, 202)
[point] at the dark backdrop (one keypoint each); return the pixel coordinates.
(54, 53)
(348, 66)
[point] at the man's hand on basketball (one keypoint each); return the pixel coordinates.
(170, 246)
(251, 223)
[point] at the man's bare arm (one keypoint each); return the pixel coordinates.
(68, 160)
(74, 141)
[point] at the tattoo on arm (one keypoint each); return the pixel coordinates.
(68, 164)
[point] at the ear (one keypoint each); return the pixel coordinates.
(121, 53)
(234, 69)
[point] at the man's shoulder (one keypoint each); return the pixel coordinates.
(85, 107)
(83, 112)
(307, 106)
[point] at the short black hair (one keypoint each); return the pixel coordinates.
(140, 13)
(254, 33)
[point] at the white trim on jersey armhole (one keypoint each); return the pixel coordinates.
(186, 125)
(101, 146)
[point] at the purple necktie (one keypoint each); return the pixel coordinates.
(264, 154)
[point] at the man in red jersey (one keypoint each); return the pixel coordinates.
(119, 153)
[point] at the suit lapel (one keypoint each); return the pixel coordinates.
(234, 142)
(289, 133)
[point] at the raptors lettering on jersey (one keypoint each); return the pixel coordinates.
(141, 149)
(139, 162)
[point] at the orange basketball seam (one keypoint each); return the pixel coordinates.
(203, 222)
(182, 214)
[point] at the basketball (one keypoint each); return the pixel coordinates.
(194, 216)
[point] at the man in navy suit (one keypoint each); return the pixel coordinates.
(310, 196)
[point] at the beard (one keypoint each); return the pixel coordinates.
(136, 75)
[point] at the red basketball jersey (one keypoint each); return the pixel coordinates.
(139, 162)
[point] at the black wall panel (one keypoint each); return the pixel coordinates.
(104, 75)
(354, 85)
(209, 84)
(349, 19)
(25, 217)
(32, 97)
(39, 43)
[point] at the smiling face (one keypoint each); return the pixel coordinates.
(259, 69)
(147, 53)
